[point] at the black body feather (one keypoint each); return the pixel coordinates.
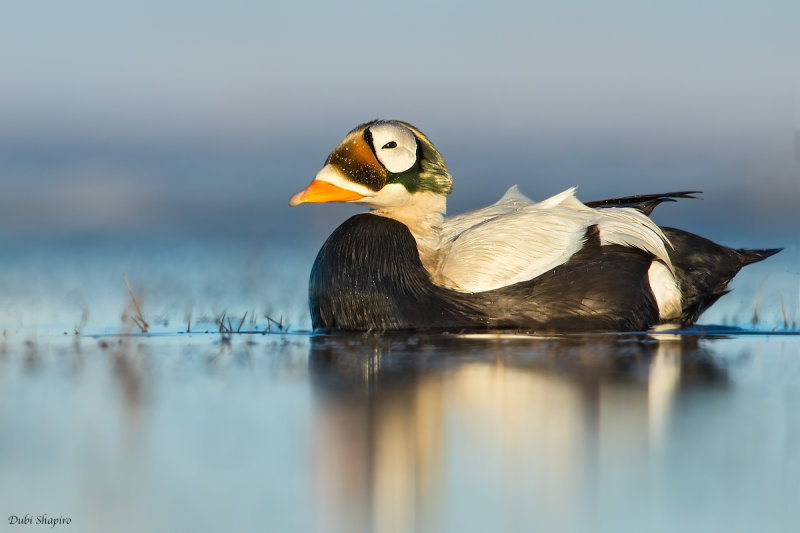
(644, 202)
(368, 276)
(704, 269)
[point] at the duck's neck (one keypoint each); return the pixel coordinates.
(423, 215)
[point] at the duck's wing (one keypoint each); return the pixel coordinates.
(516, 240)
(511, 202)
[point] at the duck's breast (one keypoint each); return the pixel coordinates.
(368, 276)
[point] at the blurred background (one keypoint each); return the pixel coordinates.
(178, 119)
(159, 142)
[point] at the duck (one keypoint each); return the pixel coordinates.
(556, 265)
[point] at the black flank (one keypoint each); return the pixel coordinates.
(368, 276)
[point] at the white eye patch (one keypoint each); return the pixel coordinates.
(395, 146)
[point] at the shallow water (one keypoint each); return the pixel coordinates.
(291, 432)
(287, 431)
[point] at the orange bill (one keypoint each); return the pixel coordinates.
(322, 191)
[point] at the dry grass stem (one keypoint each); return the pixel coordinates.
(82, 323)
(757, 301)
(221, 322)
(783, 310)
(139, 319)
(239, 329)
(278, 323)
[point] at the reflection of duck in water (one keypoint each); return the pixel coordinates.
(392, 361)
(558, 264)
(401, 421)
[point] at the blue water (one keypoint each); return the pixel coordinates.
(278, 429)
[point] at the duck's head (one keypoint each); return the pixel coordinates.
(382, 164)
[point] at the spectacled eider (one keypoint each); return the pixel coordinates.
(554, 265)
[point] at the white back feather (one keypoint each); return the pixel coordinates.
(512, 201)
(516, 239)
(630, 227)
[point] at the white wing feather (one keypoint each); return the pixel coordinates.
(512, 201)
(516, 239)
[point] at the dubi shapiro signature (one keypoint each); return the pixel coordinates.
(38, 520)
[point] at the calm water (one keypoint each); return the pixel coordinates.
(293, 432)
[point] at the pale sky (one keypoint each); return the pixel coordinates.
(155, 99)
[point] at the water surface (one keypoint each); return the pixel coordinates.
(190, 428)
(291, 432)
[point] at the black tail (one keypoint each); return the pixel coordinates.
(748, 257)
(704, 269)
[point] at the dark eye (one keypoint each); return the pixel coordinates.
(390, 144)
